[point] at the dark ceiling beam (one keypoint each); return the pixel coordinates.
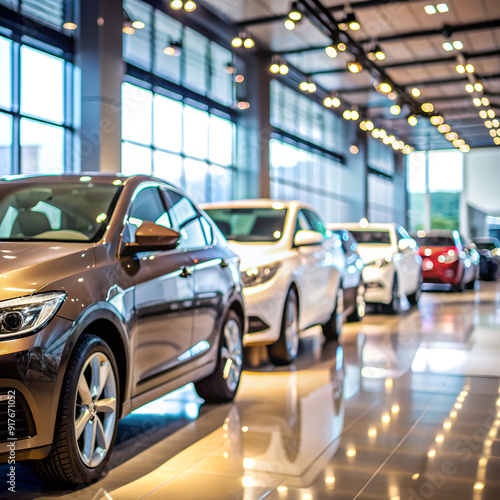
(446, 31)
(425, 83)
(418, 62)
(355, 6)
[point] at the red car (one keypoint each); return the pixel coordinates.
(448, 260)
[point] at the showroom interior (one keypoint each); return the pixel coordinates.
(382, 111)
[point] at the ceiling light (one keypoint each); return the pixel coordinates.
(460, 68)
(376, 133)
(391, 139)
(442, 7)
(457, 44)
(376, 54)
(385, 140)
(243, 105)
(335, 102)
(465, 148)
(351, 22)
(451, 136)
(493, 133)
(341, 46)
(369, 125)
(496, 123)
(239, 78)
(412, 120)
(274, 68)
(354, 66)
(69, 21)
(476, 101)
(483, 114)
(395, 109)
(496, 140)
(437, 120)
(327, 101)
(469, 88)
(362, 125)
(406, 149)
(304, 86)
(283, 69)
(485, 101)
(127, 27)
(382, 133)
(312, 87)
(392, 96)
(447, 46)
(427, 107)
(469, 68)
(289, 25)
(248, 43)
(173, 49)
(354, 115)
(478, 87)
(347, 114)
(415, 92)
(354, 150)
(138, 25)
(384, 87)
(430, 9)
(444, 128)
(491, 113)
(488, 124)
(294, 13)
(458, 142)
(189, 6)
(176, 4)
(331, 51)
(68, 25)
(237, 42)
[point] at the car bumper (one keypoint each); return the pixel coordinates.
(30, 384)
(443, 273)
(264, 308)
(378, 283)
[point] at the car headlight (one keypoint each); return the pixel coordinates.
(27, 314)
(257, 275)
(449, 257)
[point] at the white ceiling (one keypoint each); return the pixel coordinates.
(378, 20)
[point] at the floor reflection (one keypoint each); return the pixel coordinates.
(406, 407)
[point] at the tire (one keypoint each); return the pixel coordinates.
(413, 298)
(394, 305)
(458, 288)
(221, 386)
(360, 307)
(332, 329)
(87, 416)
(470, 285)
(284, 350)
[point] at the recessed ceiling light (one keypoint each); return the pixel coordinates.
(442, 7)
(430, 9)
(447, 46)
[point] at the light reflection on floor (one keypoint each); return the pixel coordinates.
(406, 407)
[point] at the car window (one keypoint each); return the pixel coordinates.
(380, 237)
(207, 230)
(148, 206)
(187, 221)
(302, 222)
(315, 221)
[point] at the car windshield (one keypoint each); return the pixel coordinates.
(60, 211)
(250, 224)
(435, 241)
(380, 237)
(485, 246)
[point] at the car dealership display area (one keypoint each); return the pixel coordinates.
(405, 405)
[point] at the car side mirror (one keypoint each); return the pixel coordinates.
(305, 237)
(151, 237)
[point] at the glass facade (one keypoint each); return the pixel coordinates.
(34, 122)
(380, 182)
(298, 170)
(434, 184)
(190, 147)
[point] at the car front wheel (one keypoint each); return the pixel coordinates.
(285, 349)
(221, 386)
(87, 416)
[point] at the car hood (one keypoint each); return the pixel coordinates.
(25, 267)
(369, 253)
(255, 255)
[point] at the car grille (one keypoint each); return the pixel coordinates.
(24, 425)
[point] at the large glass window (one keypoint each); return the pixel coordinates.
(190, 147)
(33, 121)
(380, 198)
(199, 65)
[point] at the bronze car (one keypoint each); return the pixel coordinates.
(113, 291)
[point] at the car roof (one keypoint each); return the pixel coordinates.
(356, 226)
(256, 203)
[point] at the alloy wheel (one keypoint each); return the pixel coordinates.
(232, 353)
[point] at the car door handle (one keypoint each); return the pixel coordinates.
(185, 273)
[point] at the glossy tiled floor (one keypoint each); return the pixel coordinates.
(405, 408)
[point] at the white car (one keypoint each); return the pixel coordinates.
(393, 268)
(289, 270)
